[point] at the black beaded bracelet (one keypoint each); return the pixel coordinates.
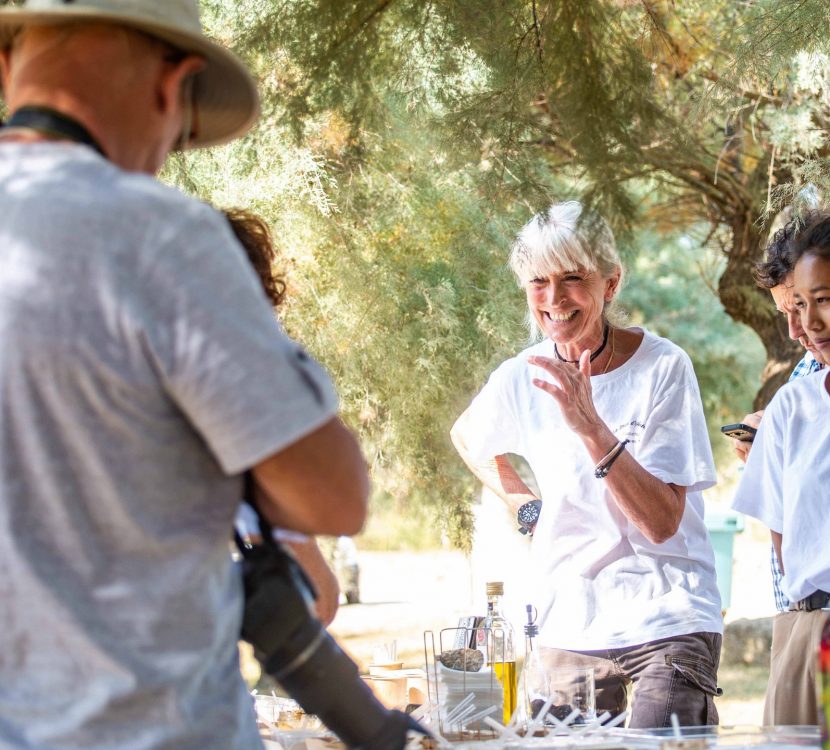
(604, 466)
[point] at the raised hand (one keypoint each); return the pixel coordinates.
(571, 387)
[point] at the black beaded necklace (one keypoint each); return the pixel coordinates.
(52, 123)
(594, 355)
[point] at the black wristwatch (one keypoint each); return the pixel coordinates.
(528, 515)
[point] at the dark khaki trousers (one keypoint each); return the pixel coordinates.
(673, 675)
(791, 692)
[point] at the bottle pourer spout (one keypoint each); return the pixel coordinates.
(531, 629)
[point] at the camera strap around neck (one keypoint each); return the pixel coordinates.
(52, 124)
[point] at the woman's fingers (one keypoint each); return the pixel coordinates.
(564, 398)
(562, 371)
(564, 388)
(554, 390)
(565, 375)
(571, 388)
(585, 363)
(546, 363)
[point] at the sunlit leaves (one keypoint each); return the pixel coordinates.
(404, 141)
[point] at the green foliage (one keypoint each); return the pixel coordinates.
(397, 283)
(403, 143)
(396, 526)
(671, 291)
(407, 277)
(776, 32)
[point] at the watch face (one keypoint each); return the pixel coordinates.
(528, 514)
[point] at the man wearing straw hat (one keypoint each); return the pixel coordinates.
(140, 375)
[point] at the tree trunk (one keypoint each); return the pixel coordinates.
(746, 303)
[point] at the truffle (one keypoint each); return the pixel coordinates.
(462, 659)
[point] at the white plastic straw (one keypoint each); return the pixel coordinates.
(462, 717)
(539, 719)
(566, 722)
(494, 725)
(460, 706)
(481, 714)
(618, 719)
(423, 710)
(504, 731)
(434, 712)
(593, 724)
(675, 724)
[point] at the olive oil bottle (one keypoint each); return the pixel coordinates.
(500, 652)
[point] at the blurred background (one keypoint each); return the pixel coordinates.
(404, 142)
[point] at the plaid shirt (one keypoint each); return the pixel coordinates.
(806, 366)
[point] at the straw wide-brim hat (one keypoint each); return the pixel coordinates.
(224, 92)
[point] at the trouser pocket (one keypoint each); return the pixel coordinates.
(693, 689)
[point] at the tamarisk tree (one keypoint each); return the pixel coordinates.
(404, 141)
(718, 107)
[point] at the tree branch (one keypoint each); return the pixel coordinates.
(355, 29)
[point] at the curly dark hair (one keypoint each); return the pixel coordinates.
(254, 235)
(813, 238)
(779, 257)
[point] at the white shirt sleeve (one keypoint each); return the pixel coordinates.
(248, 389)
(675, 444)
(760, 492)
(489, 427)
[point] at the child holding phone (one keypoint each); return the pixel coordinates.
(785, 486)
(740, 431)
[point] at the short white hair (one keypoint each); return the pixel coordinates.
(561, 239)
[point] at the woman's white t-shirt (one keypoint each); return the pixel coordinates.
(786, 482)
(598, 581)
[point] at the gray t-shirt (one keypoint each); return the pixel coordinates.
(141, 370)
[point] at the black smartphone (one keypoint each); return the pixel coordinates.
(739, 431)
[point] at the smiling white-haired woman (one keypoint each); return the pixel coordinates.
(611, 423)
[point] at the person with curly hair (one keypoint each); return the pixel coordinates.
(775, 273)
(255, 237)
(785, 486)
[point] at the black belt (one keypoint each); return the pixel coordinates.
(816, 600)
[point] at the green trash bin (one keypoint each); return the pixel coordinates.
(722, 528)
